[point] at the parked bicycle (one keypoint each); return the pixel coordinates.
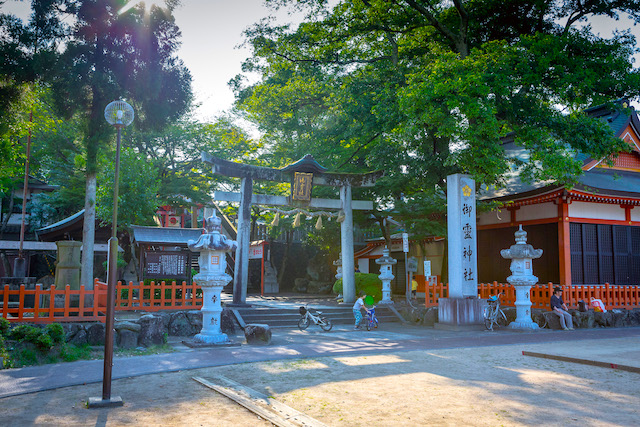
(493, 314)
(307, 317)
(372, 319)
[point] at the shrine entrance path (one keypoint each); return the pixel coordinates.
(396, 375)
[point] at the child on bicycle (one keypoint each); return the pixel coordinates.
(357, 307)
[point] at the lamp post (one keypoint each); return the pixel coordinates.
(118, 114)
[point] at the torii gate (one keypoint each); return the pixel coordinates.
(302, 175)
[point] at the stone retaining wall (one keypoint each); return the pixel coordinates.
(149, 329)
(616, 318)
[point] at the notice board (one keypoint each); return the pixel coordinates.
(167, 265)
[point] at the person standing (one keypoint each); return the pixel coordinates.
(414, 287)
(560, 309)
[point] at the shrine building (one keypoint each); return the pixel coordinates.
(590, 234)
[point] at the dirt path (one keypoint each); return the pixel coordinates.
(482, 386)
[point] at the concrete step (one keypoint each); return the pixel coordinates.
(288, 317)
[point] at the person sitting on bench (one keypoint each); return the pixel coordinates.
(560, 309)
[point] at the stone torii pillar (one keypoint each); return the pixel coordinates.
(303, 175)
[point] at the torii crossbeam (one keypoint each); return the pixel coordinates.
(303, 175)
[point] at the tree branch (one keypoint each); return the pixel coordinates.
(458, 40)
(359, 148)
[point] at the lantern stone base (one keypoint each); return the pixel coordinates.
(198, 344)
(529, 326)
(212, 339)
(460, 312)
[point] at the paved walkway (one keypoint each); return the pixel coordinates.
(619, 346)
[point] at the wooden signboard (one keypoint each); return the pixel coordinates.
(167, 265)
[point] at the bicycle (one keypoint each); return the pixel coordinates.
(493, 315)
(306, 317)
(372, 319)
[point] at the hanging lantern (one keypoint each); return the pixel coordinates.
(319, 223)
(276, 220)
(296, 222)
(340, 216)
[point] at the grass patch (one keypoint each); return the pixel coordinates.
(154, 349)
(26, 345)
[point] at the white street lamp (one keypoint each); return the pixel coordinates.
(118, 114)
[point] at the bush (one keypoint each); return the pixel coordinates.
(56, 332)
(43, 339)
(43, 342)
(367, 282)
(21, 332)
(4, 326)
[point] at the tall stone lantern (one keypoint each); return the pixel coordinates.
(212, 278)
(385, 263)
(521, 255)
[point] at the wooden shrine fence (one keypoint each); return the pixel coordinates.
(19, 305)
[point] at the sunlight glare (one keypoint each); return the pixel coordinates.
(147, 3)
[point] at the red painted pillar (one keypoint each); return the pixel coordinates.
(564, 242)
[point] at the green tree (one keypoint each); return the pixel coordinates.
(176, 154)
(425, 89)
(109, 56)
(137, 201)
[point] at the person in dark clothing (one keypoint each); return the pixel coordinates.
(560, 309)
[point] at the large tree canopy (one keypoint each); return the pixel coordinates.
(423, 89)
(91, 52)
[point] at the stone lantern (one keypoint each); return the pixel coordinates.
(338, 264)
(212, 278)
(386, 275)
(521, 255)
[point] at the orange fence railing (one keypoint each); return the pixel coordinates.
(613, 296)
(67, 305)
(53, 305)
(158, 296)
(64, 305)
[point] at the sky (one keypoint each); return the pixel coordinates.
(211, 33)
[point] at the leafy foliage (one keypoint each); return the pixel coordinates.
(426, 89)
(138, 184)
(367, 282)
(175, 152)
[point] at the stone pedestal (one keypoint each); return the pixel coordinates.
(68, 264)
(521, 255)
(212, 278)
(386, 275)
(460, 313)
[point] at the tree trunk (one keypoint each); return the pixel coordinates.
(88, 232)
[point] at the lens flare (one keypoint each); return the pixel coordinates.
(148, 4)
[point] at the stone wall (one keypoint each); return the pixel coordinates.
(149, 329)
(616, 318)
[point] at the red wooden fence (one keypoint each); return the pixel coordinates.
(35, 305)
(158, 296)
(53, 305)
(613, 296)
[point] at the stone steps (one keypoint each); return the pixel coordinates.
(288, 317)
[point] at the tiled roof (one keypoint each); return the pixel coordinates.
(597, 180)
(165, 235)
